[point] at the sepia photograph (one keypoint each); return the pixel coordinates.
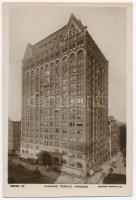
(67, 95)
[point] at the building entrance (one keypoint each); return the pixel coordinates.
(45, 158)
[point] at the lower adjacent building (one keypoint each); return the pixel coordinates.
(114, 135)
(123, 135)
(14, 136)
(122, 128)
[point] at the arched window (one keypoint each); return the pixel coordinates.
(65, 66)
(72, 59)
(64, 61)
(52, 66)
(38, 70)
(24, 83)
(80, 58)
(80, 54)
(52, 70)
(47, 67)
(72, 62)
(37, 77)
(80, 71)
(47, 72)
(37, 85)
(32, 87)
(57, 62)
(42, 69)
(27, 83)
(57, 75)
(42, 76)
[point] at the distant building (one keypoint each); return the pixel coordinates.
(122, 130)
(10, 136)
(114, 135)
(65, 99)
(14, 136)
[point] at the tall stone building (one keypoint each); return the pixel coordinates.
(65, 100)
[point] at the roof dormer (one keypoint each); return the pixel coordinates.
(74, 27)
(29, 53)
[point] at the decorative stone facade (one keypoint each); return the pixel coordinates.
(65, 98)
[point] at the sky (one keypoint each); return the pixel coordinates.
(106, 25)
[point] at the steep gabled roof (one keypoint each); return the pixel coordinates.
(32, 50)
(77, 22)
(29, 53)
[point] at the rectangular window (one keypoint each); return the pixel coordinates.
(79, 124)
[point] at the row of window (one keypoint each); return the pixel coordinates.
(57, 53)
(79, 57)
(55, 131)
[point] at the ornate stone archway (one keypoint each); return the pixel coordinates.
(45, 158)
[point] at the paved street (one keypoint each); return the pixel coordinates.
(120, 169)
(66, 178)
